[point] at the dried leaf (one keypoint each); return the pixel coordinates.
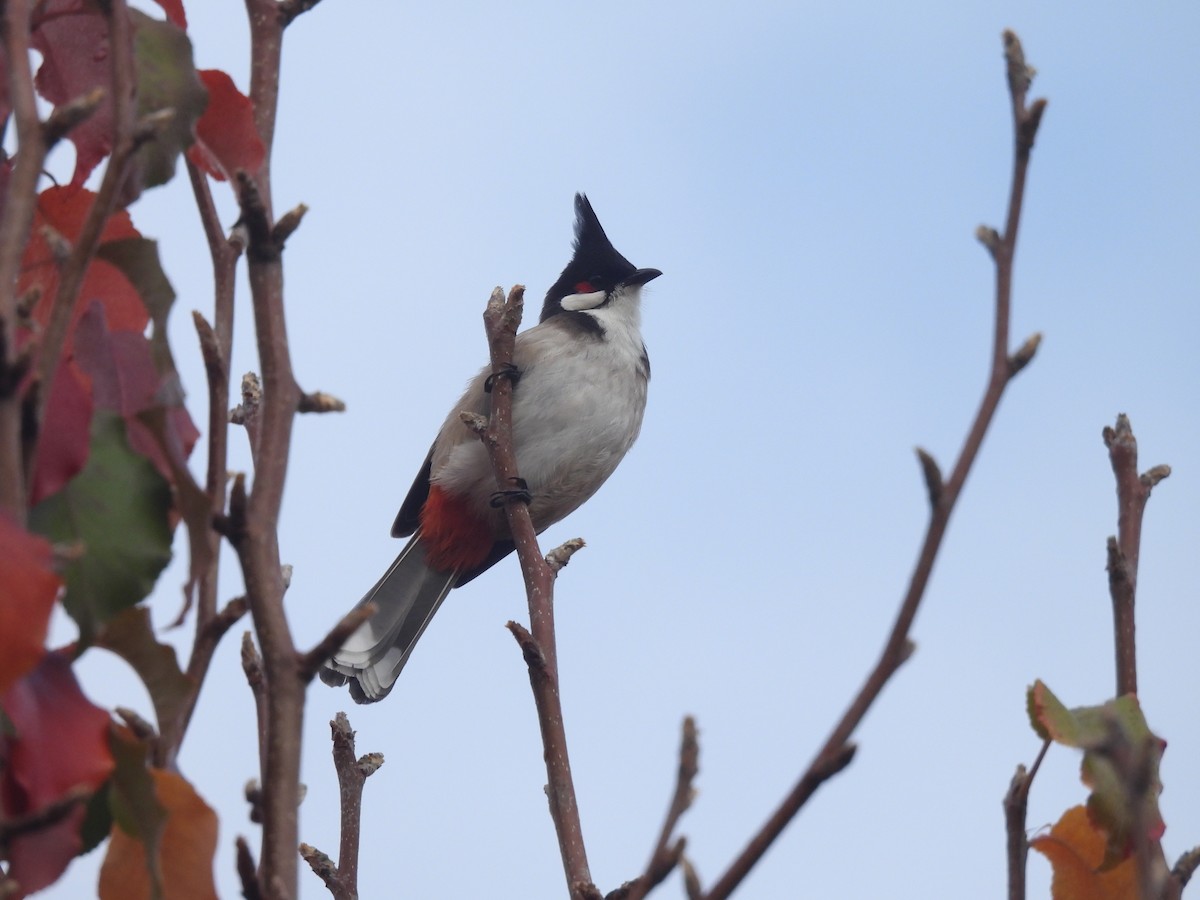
(1076, 849)
(185, 852)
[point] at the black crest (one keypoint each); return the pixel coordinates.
(596, 265)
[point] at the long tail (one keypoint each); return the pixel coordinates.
(408, 595)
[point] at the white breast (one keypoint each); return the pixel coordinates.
(577, 410)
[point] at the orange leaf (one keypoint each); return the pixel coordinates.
(1075, 849)
(28, 586)
(186, 849)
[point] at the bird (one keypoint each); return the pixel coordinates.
(579, 394)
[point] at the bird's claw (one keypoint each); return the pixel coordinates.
(508, 370)
(520, 493)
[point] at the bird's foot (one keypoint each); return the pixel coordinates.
(508, 370)
(520, 493)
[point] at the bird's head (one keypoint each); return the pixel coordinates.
(597, 274)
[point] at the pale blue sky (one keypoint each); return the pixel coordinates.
(808, 177)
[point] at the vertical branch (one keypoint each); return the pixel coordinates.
(501, 320)
(17, 219)
(1133, 490)
(837, 751)
(1016, 806)
(256, 537)
(352, 772)
(216, 348)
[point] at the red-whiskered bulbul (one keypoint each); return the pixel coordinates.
(578, 397)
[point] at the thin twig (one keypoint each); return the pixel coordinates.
(45, 817)
(1016, 805)
(247, 870)
(501, 319)
(325, 869)
(352, 772)
(320, 402)
(1133, 490)
(835, 754)
(667, 854)
(256, 678)
(1186, 866)
(291, 9)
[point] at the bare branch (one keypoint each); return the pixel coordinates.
(287, 225)
(1185, 867)
(1016, 805)
(352, 772)
(1133, 490)
(141, 729)
(326, 870)
(837, 751)
(667, 854)
(65, 117)
(247, 871)
(50, 814)
(501, 319)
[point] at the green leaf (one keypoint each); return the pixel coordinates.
(1120, 763)
(130, 636)
(117, 509)
(166, 81)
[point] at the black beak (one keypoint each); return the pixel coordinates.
(641, 276)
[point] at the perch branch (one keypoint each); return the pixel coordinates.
(501, 320)
(837, 751)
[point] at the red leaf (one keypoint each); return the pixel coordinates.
(67, 429)
(226, 139)
(72, 37)
(28, 585)
(125, 380)
(60, 743)
(63, 210)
